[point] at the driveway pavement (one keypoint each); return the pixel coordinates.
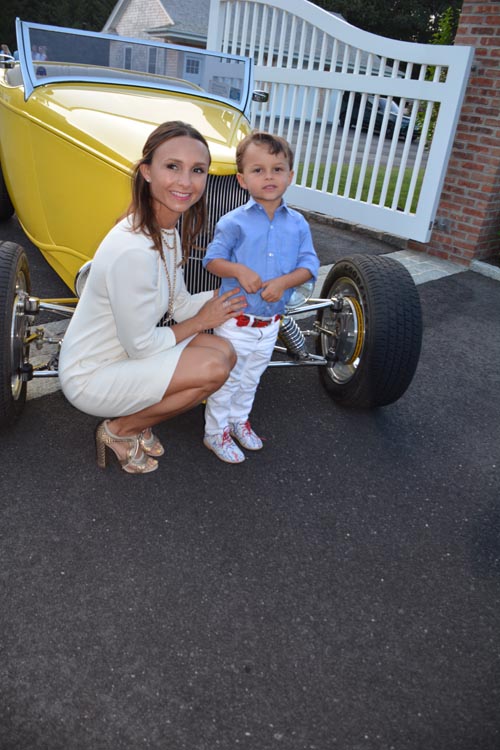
(340, 589)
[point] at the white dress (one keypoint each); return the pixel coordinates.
(114, 359)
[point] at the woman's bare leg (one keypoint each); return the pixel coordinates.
(203, 367)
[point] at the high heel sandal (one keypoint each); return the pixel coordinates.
(151, 445)
(135, 461)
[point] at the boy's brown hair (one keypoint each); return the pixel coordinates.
(274, 143)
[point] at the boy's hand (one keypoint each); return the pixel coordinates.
(273, 290)
(248, 279)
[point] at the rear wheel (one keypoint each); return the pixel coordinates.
(14, 324)
(372, 340)
(6, 207)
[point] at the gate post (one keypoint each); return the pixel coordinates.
(467, 225)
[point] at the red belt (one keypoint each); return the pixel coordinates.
(246, 320)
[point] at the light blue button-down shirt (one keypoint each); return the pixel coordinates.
(270, 248)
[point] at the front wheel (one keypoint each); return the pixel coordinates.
(371, 336)
(14, 352)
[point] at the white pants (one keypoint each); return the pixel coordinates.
(233, 402)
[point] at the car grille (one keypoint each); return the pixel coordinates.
(223, 194)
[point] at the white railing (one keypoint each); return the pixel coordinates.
(331, 88)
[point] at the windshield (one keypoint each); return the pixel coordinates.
(49, 53)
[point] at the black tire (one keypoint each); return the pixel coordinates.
(6, 207)
(14, 353)
(376, 335)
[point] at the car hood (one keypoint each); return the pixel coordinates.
(113, 122)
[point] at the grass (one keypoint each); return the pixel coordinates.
(408, 173)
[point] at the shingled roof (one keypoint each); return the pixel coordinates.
(171, 20)
(190, 19)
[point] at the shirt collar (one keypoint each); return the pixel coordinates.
(252, 202)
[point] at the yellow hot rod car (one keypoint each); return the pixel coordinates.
(75, 110)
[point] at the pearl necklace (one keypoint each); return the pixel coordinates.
(169, 234)
(166, 236)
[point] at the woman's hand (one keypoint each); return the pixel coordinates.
(220, 308)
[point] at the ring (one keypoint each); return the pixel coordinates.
(225, 303)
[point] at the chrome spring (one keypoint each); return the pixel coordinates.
(292, 337)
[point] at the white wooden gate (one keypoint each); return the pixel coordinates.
(331, 91)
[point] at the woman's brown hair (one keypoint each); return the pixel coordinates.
(141, 207)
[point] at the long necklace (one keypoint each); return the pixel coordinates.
(166, 236)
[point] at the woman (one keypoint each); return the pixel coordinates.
(115, 361)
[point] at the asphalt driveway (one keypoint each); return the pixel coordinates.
(340, 589)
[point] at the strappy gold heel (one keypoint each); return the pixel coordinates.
(151, 445)
(135, 462)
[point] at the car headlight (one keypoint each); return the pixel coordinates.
(300, 295)
(81, 277)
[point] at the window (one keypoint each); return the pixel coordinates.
(192, 66)
(152, 60)
(127, 64)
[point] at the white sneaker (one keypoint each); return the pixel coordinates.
(245, 436)
(224, 447)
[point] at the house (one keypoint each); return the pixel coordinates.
(186, 23)
(172, 21)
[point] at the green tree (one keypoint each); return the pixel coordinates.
(408, 20)
(90, 14)
(447, 26)
(444, 34)
(77, 14)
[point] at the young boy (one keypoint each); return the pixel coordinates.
(265, 249)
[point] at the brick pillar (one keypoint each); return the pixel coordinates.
(469, 208)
